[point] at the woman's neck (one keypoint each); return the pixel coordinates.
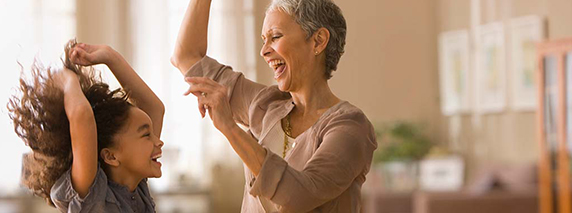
(315, 98)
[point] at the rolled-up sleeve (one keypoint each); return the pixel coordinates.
(241, 91)
(345, 152)
(66, 198)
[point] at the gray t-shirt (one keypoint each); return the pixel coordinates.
(104, 196)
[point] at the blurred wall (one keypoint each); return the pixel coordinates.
(389, 69)
(105, 22)
(508, 137)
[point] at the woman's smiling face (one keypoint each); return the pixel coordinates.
(287, 51)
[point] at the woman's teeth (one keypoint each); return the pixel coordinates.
(274, 64)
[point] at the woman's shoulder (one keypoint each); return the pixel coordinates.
(347, 115)
(346, 110)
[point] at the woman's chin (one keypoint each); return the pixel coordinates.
(282, 86)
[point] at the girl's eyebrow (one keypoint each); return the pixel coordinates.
(143, 127)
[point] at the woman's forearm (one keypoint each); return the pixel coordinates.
(251, 153)
(140, 92)
(191, 44)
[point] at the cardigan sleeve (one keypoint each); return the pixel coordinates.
(241, 91)
(345, 153)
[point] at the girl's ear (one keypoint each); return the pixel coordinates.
(109, 157)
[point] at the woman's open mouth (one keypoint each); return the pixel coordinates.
(279, 66)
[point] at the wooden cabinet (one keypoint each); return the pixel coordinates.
(555, 124)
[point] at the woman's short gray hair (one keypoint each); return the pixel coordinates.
(312, 15)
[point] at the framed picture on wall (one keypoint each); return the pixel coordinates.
(568, 76)
(525, 33)
(454, 71)
(490, 68)
(551, 101)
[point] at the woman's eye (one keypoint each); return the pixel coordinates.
(276, 37)
(147, 135)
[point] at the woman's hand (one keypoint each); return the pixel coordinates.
(213, 97)
(87, 54)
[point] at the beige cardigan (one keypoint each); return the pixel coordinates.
(326, 169)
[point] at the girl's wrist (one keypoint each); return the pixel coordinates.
(110, 58)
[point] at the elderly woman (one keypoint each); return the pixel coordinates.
(306, 150)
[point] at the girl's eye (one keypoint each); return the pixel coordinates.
(276, 37)
(147, 135)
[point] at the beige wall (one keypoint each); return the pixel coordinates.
(508, 137)
(389, 69)
(105, 22)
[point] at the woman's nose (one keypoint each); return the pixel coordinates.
(265, 50)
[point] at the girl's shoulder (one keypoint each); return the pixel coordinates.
(64, 196)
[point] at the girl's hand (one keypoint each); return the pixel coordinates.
(87, 54)
(213, 97)
(64, 78)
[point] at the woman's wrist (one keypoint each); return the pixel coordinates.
(230, 128)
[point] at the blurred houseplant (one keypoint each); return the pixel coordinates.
(401, 145)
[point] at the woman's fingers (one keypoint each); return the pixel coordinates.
(195, 90)
(202, 109)
(208, 92)
(207, 82)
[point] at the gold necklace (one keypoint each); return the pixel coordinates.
(287, 133)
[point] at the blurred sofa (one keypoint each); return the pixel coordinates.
(492, 189)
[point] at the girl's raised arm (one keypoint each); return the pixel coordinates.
(83, 132)
(140, 93)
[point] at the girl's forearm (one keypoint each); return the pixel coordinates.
(191, 44)
(140, 92)
(83, 132)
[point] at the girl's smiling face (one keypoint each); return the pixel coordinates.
(137, 147)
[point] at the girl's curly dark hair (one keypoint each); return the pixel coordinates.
(39, 118)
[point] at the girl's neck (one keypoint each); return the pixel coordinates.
(124, 178)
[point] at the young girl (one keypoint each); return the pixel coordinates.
(92, 148)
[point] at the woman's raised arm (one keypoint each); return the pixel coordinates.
(191, 44)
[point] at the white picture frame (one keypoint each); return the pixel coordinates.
(525, 33)
(454, 72)
(490, 71)
(441, 174)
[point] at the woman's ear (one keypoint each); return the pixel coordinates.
(109, 157)
(321, 39)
